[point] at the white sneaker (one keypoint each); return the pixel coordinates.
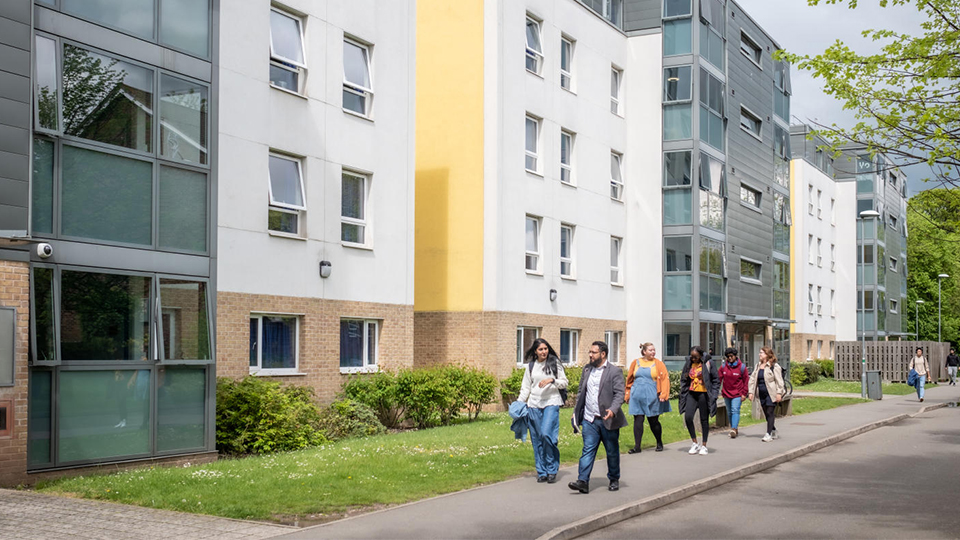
(703, 451)
(121, 423)
(766, 438)
(694, 448)
(775, 435)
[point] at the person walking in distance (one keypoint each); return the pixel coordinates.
(699, 388)
(919, 364)
(953, 361)
(734, 378)
(766, 384)
(598, 414)
(540, 390)
(648, 394)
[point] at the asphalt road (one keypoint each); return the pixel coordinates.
(900, 481)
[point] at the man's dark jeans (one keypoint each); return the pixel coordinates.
(593, 433)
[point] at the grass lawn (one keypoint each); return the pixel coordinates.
(325, 482)
(853, 387)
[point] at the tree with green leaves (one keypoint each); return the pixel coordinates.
(933, 222)
(906, 98)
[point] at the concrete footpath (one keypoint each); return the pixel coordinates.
(522, 508)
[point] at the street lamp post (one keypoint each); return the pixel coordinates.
(940, 279)
(863, 304)
(916, 318)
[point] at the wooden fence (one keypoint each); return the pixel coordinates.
(890, 358)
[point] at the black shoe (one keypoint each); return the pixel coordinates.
(659, 447)
(580, 485)
(634, 450)
(541, 479)
(614, 485)
(551, 479)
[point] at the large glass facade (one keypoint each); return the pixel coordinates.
(678, 272)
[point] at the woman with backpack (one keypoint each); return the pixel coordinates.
(919, 364)
(734, 378)
(766, 383)
(699, 388)
(648, 393)
(542, 381)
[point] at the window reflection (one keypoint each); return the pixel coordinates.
(183, 120)
(104, 316)
(132, 16)
(186, 331)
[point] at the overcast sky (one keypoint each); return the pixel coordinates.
(804, 29)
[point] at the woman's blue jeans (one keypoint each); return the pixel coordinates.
(733, 410)
(921, 381)
(544, 432)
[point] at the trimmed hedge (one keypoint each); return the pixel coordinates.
(802, 373)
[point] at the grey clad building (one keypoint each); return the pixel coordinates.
(726, 182)
(107, 248)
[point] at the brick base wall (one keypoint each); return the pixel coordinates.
(319, 356)
(15, 293)
(798, 346)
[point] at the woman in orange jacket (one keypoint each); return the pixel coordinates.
(648, 393)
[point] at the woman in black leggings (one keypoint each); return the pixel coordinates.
(699, 388)
(766, 382)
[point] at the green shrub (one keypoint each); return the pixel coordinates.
(573, 374)
(826, 367)
(379, 392)
(425, 394)
(802, 373)
(260, 416)
(349, 419)
(510, 387)
(476, 387)
(674, 384)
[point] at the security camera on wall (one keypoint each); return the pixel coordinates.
(44, 250)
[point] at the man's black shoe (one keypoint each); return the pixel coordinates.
(579, 485)
(614, 485)
(551, 479)
(541, 479)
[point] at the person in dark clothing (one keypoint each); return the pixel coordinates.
(766, 383)
(699, 388)
(953, 361)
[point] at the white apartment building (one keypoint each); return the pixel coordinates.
(316, 190)
(823, 274)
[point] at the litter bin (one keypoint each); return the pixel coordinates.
(874, 385)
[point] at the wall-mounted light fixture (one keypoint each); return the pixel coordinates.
(325, 268)
(553, 295)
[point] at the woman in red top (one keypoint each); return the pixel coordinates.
(734, 377)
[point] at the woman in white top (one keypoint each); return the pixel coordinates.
(542, 381)
(919, 363)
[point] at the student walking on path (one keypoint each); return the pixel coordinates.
(919, 364)
(648, 393)
(766, 384)
(599, 415)
(699, 388)
(542, 381)
(734, 378)
(953, 361)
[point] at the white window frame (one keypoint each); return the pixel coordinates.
(746, 190)
(256, 370)
(810, 298)
(819, 204)
(833, 257)
(364, 223)
(566, 169)
(616, 176)
(367, 365)
(536, 253)
(570, 258)
(282, 207)
(616, 90)
(810, 199)
(820, 252)
(535, 54)
(833, 211)
(357, 89)
(535, 153)
(833, 303)
(574, 336)
(809, 249)
(567, 74)
(755, 53)
(616, 243)
(521, 330)
(755, 120)
(612, 339)
(282, 62)
(819, 301)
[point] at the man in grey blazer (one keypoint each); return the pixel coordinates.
(598, 413)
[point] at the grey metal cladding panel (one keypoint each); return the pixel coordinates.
(641, 14)
(13, 192)
(15, 166)
(15, 33)
(15, 87)
(13, 218)
(15, 113)
(14, 59)
(14, 140)
(17, 10)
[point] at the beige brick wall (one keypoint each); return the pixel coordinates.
(489, 339)
(15, 292)
(798, 346)
(319, 361)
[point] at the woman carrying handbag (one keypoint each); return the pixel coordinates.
(766, 383)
